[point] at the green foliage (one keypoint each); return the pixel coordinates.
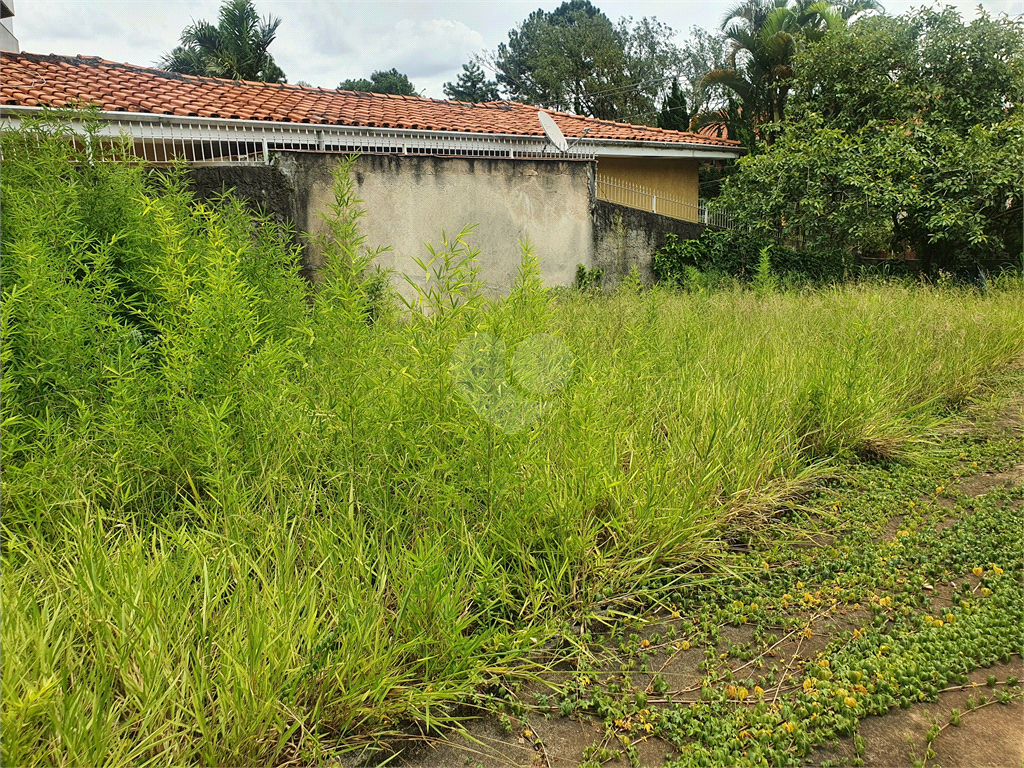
(252, 521)
(702, 53)
(383, 81)
(236, 48)
(718, 256)
(765, 280)
(575, 59)
(926, 66)
(673, 115)
(875, 160)
(472, 85)
(589, 279)
(765, 36)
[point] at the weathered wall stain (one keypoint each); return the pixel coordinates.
(409, 200)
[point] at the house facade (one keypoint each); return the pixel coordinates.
(426, 165)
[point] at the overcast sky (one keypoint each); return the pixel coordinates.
(326, 41)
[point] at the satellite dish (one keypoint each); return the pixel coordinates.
(552, 131)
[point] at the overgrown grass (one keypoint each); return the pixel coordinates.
(249, 522)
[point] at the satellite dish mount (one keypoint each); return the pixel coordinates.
(552, 131)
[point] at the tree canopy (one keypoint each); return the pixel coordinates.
(575, 59)
(673, 116)
(765, 36)
(236, 48)
(904, 133)
(382, 81)
(472, 85)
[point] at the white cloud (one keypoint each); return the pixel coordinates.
(326, 41)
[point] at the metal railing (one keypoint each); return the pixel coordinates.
(633, 195)
(167, 138)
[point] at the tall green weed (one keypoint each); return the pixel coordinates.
(252, 520)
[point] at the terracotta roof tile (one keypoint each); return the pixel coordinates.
(31, 79)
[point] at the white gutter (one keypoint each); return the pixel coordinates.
(626, 148)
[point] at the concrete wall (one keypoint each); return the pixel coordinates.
(672, 177)
(409, 200)
(626, 237)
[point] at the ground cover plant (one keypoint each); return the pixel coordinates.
(246, 520)
(875, 622)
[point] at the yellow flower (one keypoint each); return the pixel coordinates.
(737, 603)
(753, 606)
(974, 464)
(648, 727)
(978, 570)
(758, 691)
(799, 585)
(527, 734)
(808, 633)
(789, 727)
(744, 734)
(949, 618)
(928, 619)
(645, 643)
(985, 591)
(997, 569)
(685, 645)
(742, 693)
(808, 684)
(938, 489)
(787, 596)
(911, 504)
(938, 622)
(730, 691)
(850, 701)
(823, 663)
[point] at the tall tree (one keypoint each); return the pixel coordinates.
(673, 116)
(902, 132)
(765, 36)
(575, 59)
(704, 52)
(382, 81)
(236, 48)
(472, 85)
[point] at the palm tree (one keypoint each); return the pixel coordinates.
(765, 35)
(236, 48)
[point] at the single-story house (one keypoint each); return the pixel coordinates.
(426, 165)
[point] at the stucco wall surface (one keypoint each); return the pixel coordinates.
(409, 201)
(626, 237)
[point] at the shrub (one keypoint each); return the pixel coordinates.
(739, 254)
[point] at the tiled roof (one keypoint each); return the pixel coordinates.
(28, 79)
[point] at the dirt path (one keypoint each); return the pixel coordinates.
(896, 590)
